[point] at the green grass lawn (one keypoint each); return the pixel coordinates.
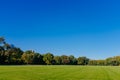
(59, 73)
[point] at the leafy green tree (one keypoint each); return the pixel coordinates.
(14, 55)
(38, 59)
(113, 61)
(73, 60)
(48, 58)
(108, 61)
(3, 57)
(57, 60)
(82, 61)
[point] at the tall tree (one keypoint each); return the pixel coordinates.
(14, 55)
(3, 57)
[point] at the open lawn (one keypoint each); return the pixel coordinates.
(59, 73)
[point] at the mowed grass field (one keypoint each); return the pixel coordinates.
(59, 73)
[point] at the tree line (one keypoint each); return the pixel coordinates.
(11, 55)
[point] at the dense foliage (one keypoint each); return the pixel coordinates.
(10, 54)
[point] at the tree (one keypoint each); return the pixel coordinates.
(92, 62)
(73, 60)
(82, 61)
(2, 40)
(57, 60)
(48, 58)
(65, 59)
(28, 57)
(2, 55)
(38, 59)
(113, 61)
(97, 62)
(101, 62)
(7, 46)
(14, 55)
(117, 58)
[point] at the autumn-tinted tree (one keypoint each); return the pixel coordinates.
(28, 57)
(65, 59)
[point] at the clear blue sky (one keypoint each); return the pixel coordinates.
(73, 27)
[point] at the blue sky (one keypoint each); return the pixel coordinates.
(73, 27)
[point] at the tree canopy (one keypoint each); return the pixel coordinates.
(10, 55)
